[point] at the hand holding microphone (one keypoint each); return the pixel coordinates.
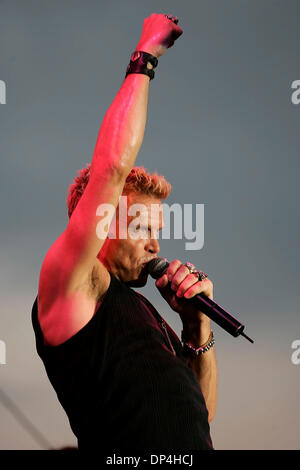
(183, 280)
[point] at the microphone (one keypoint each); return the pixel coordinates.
(158, 266)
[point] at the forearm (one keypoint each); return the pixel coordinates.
(122, 130)
(205, 365)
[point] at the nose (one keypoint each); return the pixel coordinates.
(153, 246)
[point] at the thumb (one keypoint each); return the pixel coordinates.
(162, 286)
(175, 34)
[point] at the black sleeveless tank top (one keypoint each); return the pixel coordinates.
(123, 379)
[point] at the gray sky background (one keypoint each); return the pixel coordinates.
(222, 129)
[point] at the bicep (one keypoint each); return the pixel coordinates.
(88, 226)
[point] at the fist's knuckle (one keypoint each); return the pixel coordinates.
(187, 271)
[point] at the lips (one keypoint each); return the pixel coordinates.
(144, 265)
(148, 261)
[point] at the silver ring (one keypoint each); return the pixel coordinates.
(191, 268)
(201, 275)
(170, 17)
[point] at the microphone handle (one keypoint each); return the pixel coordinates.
(203, 303)
(217, 313)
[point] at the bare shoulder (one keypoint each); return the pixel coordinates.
(62, 313)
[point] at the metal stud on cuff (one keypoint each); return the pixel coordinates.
(138, 64)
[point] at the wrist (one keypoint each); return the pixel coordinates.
(192, 350)
(142, 62)
(196, 333)
(148, 48)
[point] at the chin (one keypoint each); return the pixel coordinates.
(141, 281)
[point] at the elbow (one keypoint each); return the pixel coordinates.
(109, 169)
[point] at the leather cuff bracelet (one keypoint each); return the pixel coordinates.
(138, 64)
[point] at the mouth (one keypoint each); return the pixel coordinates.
(148, 260)
(144, 265)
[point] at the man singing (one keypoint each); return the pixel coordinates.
(120, 372)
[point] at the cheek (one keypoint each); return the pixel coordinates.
(132, 250)
(139, 246)
(135, 251)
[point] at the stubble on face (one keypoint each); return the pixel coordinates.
(128, 257)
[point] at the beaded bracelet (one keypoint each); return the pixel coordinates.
(192, 351)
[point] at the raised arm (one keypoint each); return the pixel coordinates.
(119, 141)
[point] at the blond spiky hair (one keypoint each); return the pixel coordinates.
(138, 180)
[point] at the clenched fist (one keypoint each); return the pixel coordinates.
(159, 33)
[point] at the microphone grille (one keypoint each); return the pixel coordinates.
(157, 266)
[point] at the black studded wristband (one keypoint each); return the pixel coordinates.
(138, 64)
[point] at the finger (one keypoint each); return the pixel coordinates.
(162, 281)
(204, 286)
(175, 19)
(174, 35)
(172, 268)
(177, 31)
(179, 276)
(189, 281)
